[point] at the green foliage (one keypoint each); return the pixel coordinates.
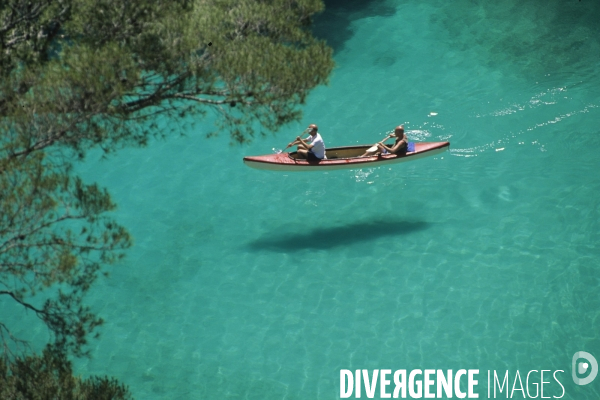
(50, 376)
(53, 232)
(82, 74)
(98, 72)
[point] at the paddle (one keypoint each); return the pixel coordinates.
(291, 144)
(374, 148)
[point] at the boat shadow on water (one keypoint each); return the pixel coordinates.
(326, 238)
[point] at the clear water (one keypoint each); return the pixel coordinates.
(248, 284)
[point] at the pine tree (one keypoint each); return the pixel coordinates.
(77, 75)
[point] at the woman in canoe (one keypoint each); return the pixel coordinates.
(399, 147)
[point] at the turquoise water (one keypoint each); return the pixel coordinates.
(247, 284)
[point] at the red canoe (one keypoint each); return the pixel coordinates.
(342, 158)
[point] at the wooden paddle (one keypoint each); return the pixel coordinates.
(292, 143)
(374, 148)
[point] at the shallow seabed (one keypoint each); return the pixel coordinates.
(248, 284)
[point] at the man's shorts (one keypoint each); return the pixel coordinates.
(310, 156)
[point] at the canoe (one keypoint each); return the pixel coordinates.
(343, 158)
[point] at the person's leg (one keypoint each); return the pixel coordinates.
(371, 151)
(310, 156)
(302, 153)
(369, 154)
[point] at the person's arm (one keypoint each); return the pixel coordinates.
(381, 145)
(294, 143)
(396, 146)
(307, 146)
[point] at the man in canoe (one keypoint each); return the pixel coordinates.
(399, 147)
(313, 148)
